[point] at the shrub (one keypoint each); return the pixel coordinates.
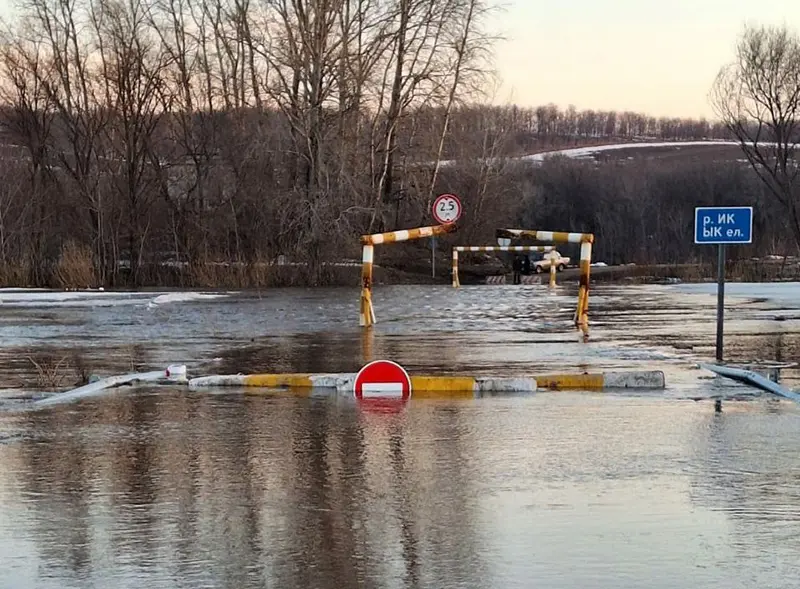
(74, 268)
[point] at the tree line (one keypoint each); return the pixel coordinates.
(642, 211)
(222, 131)
(201, 141)
(547, 125)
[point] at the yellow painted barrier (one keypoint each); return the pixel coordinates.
(553, 258)
(442, 383)
(449, 385)
(560, 382)
(546, 236)
(274, 381)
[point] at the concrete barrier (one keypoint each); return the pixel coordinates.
(343, 382)
(277, 381)
(635, 379)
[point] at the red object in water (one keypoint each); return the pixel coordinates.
(382, 385)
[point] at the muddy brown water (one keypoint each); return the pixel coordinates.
(164, 487)
(497, 330)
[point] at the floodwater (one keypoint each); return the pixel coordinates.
(482, 330)
(165, 487)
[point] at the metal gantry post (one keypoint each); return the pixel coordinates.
(586, 240)
(367, 317)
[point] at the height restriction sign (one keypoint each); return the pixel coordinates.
(446, 208)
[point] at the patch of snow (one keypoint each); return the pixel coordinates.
(18, 297)
(586, 152)
(578, 152)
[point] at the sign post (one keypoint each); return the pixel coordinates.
(720, 297)
(722, 226)
(433, 256)
(446, 209)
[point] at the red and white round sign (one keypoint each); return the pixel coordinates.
(382, 379)
(447, 208)
(382, 386)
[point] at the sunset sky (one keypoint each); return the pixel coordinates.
(655, 56)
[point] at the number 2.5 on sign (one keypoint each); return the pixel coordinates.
(446, 208)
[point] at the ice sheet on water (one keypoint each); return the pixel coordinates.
(785, 293)
(184, 297)
(17, 297)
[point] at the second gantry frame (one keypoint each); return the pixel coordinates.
(581, 317)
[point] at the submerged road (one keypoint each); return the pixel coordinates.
(477, 330)
(167, 487)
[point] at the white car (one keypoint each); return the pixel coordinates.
(543, 265)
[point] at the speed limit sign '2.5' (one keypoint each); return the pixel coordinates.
(447, 208)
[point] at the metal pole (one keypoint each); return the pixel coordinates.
(720, 297)
(433, 257)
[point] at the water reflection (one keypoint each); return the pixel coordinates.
(177, 489)
(234, 492)
(748, 467)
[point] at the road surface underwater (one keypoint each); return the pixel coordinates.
(169, 487)
(482, 330)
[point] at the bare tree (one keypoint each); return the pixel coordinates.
(758, 98)
(409, 72)
(28, 116)
(133, 69)
(468, 45)
(303, 55)
(71, 86)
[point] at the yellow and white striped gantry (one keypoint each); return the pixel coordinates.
(586, 240)
(368, 257)
(369, 242)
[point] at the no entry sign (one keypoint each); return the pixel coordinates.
(382, 384)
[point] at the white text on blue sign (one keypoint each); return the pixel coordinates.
(723, 225)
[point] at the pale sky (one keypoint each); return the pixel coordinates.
(659, 57)
(654, 56)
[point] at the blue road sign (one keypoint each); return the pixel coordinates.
(723, 225)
